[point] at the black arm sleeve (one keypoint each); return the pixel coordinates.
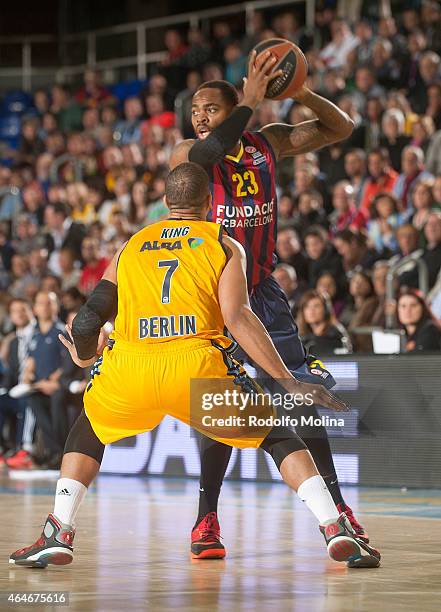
(222, 139)
(101, 306)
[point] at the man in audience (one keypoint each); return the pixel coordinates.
(15, 350)
(42, 372)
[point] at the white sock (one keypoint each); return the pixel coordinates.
(314, 492)
(68, 497)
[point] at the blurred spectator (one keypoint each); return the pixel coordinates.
(382, 178)
(15, 350)
(69, 273)
(321, 257)
(198, 52)
(366, 87)
(157, 115)
(407, 238)
(412, 164)
(431, 23)
(422, 131)
(94, 265)
(309, 211)
(43, 370)
(335, 54)
(384, 222)
(129, 130)
(82, 211)
(353, 250)
(379, 274)
(65, 109)
(221, 37)
(365, 303)
(433, 159)
(26, 235)
(422, 332)
(183, 104)
(41, 101)
(318, 328)
(386, 66)
(30, 144)
(355, 168)
(429, 73)
(285, 211)
(433, 109)
(328, 287)
(372, 131)
(235, 63)
(62, 233)
(423, 203)
(286, 277)
(92, 93)
(431, 255)
(289, 252)
(175, 46)
(346, 214)
(393, 139)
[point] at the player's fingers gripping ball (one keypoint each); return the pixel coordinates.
(291, 61)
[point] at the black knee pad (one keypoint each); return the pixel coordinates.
(82, 439)
(281, 442)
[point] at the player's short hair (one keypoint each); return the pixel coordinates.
(187, 186)
(228, 91)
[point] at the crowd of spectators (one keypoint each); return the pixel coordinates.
(90, 171)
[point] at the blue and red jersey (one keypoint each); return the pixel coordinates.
(245, 202)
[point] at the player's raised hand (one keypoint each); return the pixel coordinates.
(315, 394)
(260, 73)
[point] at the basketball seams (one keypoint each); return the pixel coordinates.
(293, 63)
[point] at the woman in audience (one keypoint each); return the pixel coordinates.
(384, 221)
(320, 331)
(329, 288)
(422, 331)
(423, 203)
(365, 303)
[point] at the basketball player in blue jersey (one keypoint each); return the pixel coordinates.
(241, 167)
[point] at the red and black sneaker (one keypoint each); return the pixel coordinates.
(344, 545)
(359, 530)
(54, 546)
(205, 539)
(22, 460)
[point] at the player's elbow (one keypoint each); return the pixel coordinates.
(346, 128)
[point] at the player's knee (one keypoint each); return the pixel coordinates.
(280, 448)
(82, 439)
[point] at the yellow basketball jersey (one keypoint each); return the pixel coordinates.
(168, 277)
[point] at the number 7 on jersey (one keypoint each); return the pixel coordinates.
(172, 265)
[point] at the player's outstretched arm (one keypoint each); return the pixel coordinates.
(331, 125)
(225, 136)
(250, 333)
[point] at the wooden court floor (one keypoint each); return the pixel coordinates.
(132, 540)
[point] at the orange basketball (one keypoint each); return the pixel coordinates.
(293, 63)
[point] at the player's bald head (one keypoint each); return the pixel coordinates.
(187, 187)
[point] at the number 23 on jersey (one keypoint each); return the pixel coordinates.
(246, 183)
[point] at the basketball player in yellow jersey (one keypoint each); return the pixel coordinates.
(173, 287)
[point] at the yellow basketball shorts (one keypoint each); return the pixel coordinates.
(134, 387)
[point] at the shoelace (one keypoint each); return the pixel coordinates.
(209, 530)
(354, 523)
